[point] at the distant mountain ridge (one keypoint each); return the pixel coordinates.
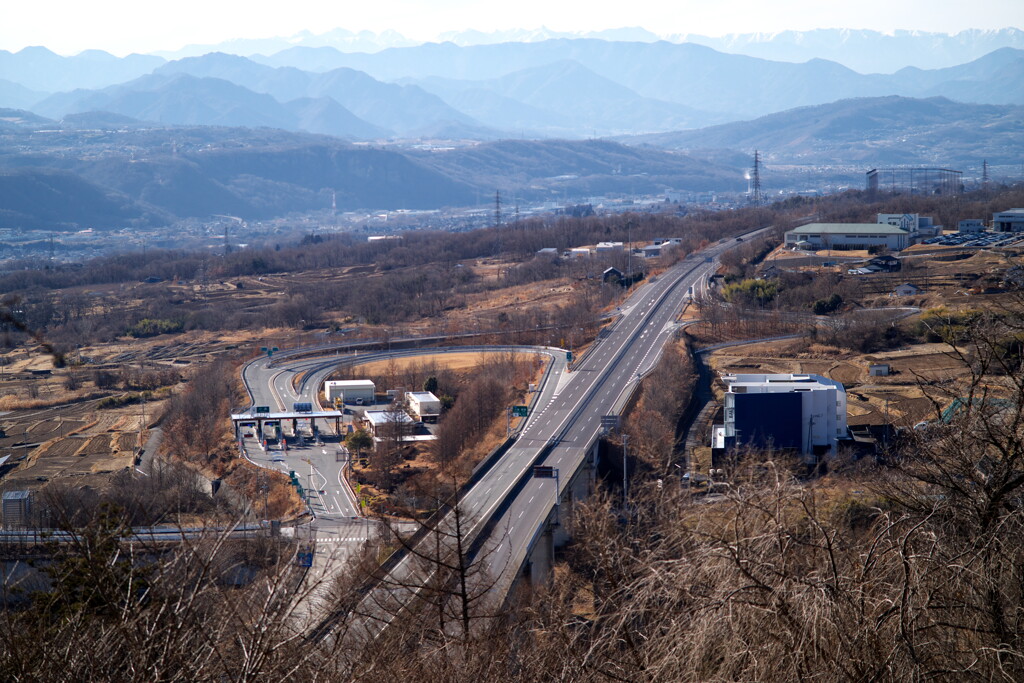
(572, 88)
(867, 51)
(398, 108)
(734, 86)
(562, 99)
(153, 175)
(877, 130)
(40, 69)
(864, 51)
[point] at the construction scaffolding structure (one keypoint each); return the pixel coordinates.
(915, 180)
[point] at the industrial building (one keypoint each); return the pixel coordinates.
(609, 247)
(916, 226)
(915, 180)
(351, 391)
(376, 420)
(804, 413)
(1008, 221)
(17, 506)
(971, 225)
(842, 236)
(424, 405)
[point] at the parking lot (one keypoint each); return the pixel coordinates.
(975, 239)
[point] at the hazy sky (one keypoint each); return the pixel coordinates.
(122, 26)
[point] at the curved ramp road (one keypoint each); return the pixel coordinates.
(337, 528)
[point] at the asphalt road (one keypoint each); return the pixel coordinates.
(337, 528)
(557, 435)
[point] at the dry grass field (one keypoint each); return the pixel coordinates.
(900, 398)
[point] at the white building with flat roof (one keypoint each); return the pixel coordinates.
(843, 236)
(1008, 221)
(424, 405)
(351, 391)
(609, 247)
(785, 411)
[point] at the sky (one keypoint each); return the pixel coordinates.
(123, 26)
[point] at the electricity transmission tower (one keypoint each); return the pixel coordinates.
(755, 181)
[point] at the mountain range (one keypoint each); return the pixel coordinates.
(865, 51)
(732, 86)
(152, 174)
(141, 140)
(554, 88)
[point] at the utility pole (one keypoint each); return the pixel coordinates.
(497, 222)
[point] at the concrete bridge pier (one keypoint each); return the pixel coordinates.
(557, 529)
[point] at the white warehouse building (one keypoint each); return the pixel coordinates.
(798, 412)
(848, 236)
(1008, 221)
(351, 391)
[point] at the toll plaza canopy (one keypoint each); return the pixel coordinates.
(290, 415)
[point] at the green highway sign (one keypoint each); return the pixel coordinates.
(262, 409)
(568, 356)
(520, 411)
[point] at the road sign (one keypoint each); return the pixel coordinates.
(568, 356)
(520, 411)
(543, 472)
(304, 559)
(262, 409)
(610, 421)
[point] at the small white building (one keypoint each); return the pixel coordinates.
(351, 391)
(971, 225)
(652, 251)
(424, 405)
(378, 420)
(786, 411)
(547, 252)
(878, 369)
(609, 247)
(579, 252)
(1008, 221)
(906, 289)
(842, 236)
